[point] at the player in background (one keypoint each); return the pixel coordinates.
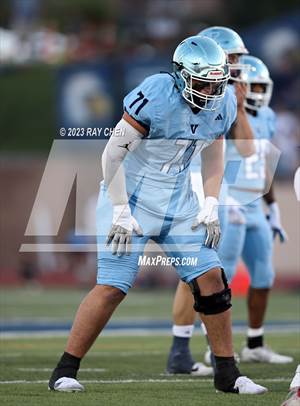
(249, 233)
(147, 194)
(180, 359)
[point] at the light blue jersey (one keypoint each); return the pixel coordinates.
(176, 135)
(248, 233)
(158, 182)
(196, 162)
(197, 183)
(246, 177)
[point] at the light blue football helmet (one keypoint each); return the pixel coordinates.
(257, 73)
(231, 43)
(201, 72)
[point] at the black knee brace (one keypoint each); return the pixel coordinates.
(213, 304)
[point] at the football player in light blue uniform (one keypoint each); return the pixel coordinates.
(180, 359)
(248, 233)
(175, 133)
(147, 194)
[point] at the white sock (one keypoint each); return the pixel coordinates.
(183, 331)
(255, 332)
(203, 329)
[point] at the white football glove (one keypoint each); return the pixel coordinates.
(123, 224)
(209, 217)
(275, 222)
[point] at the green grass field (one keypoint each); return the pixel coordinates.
(61, 304)
(129, 370)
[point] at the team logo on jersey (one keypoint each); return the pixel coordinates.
(126, 146)
(194, 128)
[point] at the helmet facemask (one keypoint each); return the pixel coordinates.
(259, 84)
(204, 92)
(255, 100)
(237, 69)
(201, 72)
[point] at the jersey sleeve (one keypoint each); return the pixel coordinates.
(271, 122)
(139, 103)
(231, 114)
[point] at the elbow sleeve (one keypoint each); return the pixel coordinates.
(124, 139)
